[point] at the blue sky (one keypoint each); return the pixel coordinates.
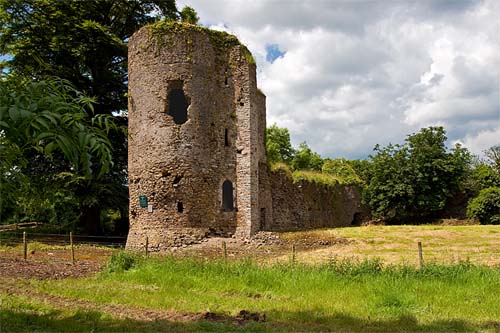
(346, 75)
(273, 52)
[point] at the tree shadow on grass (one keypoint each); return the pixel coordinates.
(304, 321)
(310, 321)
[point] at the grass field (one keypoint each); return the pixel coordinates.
(349, 290)
(398, 244)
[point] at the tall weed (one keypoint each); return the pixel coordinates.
(122, 261)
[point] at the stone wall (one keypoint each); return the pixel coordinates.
(308, 205)
(196, 124)
(180, 163)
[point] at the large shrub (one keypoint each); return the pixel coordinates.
(486, 206)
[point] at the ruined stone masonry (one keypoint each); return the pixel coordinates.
(197, 159)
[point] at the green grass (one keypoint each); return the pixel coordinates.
(316, 177)
(340, 295)
(20, 314)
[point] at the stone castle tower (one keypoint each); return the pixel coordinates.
(197, 162)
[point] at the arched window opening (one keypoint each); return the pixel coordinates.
(177, 106)
(180, 207)
(227, 196)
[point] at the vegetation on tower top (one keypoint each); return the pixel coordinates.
(221, 40)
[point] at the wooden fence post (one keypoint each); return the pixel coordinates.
(147, 245)
(420, 255)
(224, 250)
(72, 248)
(25, 246)
(293, 253)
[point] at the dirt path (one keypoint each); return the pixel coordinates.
(53, 269)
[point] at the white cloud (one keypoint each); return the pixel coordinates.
(481, 141)
(359, 73)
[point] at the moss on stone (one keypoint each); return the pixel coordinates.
(248, 55)
(221, 40)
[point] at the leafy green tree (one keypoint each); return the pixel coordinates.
(278, 146)
(481, 176)
(81, 41)
(306, 159)
(486, 206)
(414, 180)
(484, 180)
(362, 168)
(46, 137)
(84, 42)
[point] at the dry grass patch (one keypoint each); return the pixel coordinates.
(398, 244)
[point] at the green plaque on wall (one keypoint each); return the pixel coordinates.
(143, 201)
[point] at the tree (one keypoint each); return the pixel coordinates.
(278, 146)
(81, 41)
(306, 159)
(486, 206)
(84, 42)
(480, 177)
(414, 180)
(484, 181)
(362, 168)
(45, 125)
(493, 157)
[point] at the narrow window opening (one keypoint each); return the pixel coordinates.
(180, 207)
(227, 196)
(226, 138)
(226, 81)
(177, 105)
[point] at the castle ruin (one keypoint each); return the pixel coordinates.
(197, 157)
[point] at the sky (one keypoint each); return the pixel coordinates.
(346, 75)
